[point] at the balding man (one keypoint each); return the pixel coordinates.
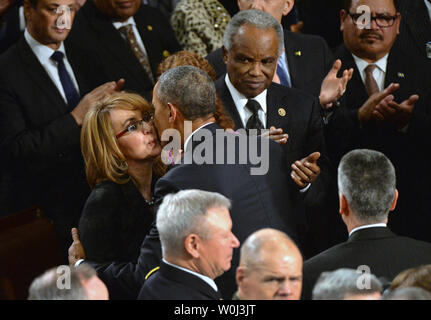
(270, 267)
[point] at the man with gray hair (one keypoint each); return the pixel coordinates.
(68, 283)
(347, 284)
(270, 267)
(367, 193)
(212, 160)
(195, 231)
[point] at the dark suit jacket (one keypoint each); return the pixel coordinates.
(304, 125)
(309, 59)
(343, 134)
(170, 283)
(39, 139)
(415, 29)
(9, 27)
(385, 253)
(258, 201)
(94, 30)
(115, 220)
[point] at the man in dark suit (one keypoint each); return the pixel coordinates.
(394, 120)
(223, 162)
(42, 81)
(415, 28)
(366, 180)
(305, 62)
(131, 40)
(10, 23)
(195, 231)
(251, 49)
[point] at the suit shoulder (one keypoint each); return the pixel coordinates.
(281, 91)
(308, 39)
(105, 194)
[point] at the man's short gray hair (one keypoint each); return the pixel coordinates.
(342, 283)
(182, 213)
(190, 89)
(256, 18)
(367, 179)
(46, 286)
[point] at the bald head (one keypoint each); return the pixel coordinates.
(270, 267)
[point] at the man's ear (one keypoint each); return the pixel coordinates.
(394, 202)
(192, 245)
(173, 113)
(344, 207)
(224, 52)
(239, 276)
(343, 16)
(288, 6)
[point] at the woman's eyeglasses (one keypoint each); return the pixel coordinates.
(135, 125)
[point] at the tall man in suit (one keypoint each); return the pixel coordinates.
(367, 191)
(305, 61)
(195, 231)
(131, 39)
(399, 121)
(42, 81)
(251, 46)
(211, 162)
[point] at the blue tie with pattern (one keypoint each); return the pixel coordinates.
(72, 95)
(282, 73)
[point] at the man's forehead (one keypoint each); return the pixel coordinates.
(381, 6)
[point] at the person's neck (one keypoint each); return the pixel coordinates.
(352, 224)
(196, 124)
(53, 46)
(189, 264)
(370, 58)
(142, 173)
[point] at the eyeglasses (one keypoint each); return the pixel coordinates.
(135, 125)
(382, 20)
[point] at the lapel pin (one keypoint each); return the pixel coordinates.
(282, 112)
(166, 53)
(150, 28)
(401, 75)
(298, 53)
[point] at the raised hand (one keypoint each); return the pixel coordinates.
(398, 115)
(276, 135)
(76, 250)
(306, 171)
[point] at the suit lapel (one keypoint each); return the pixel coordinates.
(395, 72)
(39, 75)
(277, 114)
(294, 61)
(228, 102)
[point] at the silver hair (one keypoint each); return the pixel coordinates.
(190, 89)
(407, 293)
(256, 18)
(342, 283)
(182, 213)
(367, 179)
(45, 287)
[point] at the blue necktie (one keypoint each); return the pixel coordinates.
(72, 95)
(282, 74)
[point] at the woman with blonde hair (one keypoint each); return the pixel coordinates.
(121, 151)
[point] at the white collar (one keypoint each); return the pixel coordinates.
(362, 64)
(374, 225)
(208, 280)
(190, 136)
(240, 100)
(42, 52)
(119, 24)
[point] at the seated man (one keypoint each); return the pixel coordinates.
(197, 246)
(366, 183)
(347, 284)
(131, 39)
(66, 283)
(270, 267)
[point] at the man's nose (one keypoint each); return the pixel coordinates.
(256, 69)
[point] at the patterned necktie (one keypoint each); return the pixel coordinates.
(282, 74)
(370, 82)
(70, 91)
(254, 122)
(142, 57)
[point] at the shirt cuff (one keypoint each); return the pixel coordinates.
(303, 190)
(77, 263)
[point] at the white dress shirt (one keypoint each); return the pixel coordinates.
(379, 73)
(43, 54)
(240, 101)
(131, 21)
(428, 5)
(380, 225)
(208, 280)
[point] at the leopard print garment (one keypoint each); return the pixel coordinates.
(199, 25)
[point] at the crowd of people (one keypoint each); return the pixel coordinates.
(199, 150)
